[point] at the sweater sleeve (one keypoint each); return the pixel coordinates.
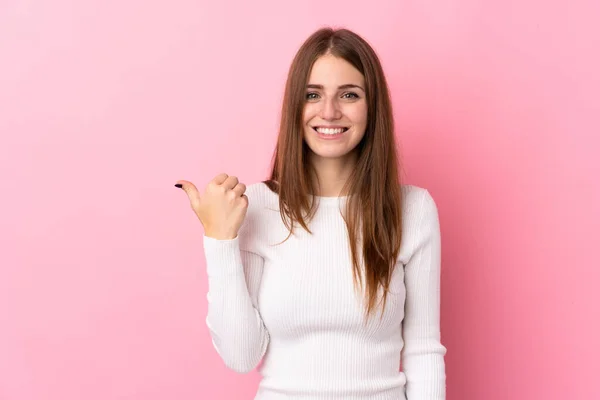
(234, 322)
(423, 354)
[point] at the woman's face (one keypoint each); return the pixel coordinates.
(335, 109)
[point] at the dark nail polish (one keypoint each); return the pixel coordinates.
(178, 185)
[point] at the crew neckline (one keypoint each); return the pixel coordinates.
(324, 200)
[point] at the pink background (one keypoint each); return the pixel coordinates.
(105, 104)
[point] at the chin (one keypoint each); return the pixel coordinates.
(330, 154)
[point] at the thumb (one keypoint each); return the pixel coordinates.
(190, 189)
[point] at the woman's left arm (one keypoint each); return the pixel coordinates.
(423, 354)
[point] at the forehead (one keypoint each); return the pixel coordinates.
(329, 70)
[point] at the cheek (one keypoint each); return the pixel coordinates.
(308, 113)
(358, 114)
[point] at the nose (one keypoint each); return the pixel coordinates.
(330, 110)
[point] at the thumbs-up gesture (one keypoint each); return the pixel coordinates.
(221, 208)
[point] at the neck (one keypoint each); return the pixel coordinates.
(332, 174)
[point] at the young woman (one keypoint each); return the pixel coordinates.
(328, 272)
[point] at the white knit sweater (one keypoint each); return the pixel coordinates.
(294, 303)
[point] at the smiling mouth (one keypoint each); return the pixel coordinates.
(329, 131)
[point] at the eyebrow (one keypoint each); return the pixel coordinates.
(346, 86)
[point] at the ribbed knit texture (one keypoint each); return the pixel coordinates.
(293, 305)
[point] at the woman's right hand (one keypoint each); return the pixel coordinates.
(221, 208)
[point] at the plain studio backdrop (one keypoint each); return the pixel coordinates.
(105, 104)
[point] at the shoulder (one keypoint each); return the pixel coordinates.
(260, 196)
(417, 201)
(257, 188)
(420, 220)
(261, 200)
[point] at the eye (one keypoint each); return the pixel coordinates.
(351, 94)
(312, 96)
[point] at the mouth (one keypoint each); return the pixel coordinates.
(330, 131)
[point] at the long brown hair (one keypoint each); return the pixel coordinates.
(374, 209)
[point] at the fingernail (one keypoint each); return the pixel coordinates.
(178, 185)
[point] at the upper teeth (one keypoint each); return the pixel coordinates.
(330, 131)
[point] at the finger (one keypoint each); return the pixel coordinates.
(219, 179)
(230, 182)
(239, 189)
(190, 189)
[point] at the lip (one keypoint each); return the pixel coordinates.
(330, 137)
(331, 127)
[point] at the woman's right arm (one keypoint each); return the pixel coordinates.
(234, 322)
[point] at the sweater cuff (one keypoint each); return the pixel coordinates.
(223, 257)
